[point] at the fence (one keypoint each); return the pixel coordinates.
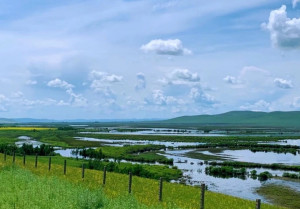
(130, 181)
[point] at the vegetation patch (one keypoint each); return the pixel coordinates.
(281, 195)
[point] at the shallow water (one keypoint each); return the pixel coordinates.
(195, 173)
(257, 157)
(161, 131)
(28, 140)
(122, 142)
(293, 142)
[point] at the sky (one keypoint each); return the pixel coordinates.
(143, 59)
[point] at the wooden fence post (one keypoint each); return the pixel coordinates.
(82, 173)
(104, 175)
(36, 160)
(160, 188)
(5, 156)
(202, 196)
(24, 159)
(258, 202)
(130, 183)
(65, 167)
(14, 157)
(49, 165)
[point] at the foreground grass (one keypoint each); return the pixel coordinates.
(22, 189)
(281, 195)
(145, 191)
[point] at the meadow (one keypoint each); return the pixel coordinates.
(144, 191)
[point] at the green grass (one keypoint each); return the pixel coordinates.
(23, 189)
(146, 153)
(145, 191)
(281, 195)
(153, 171)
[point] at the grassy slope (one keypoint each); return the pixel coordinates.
(144, 190)
(280, 119)
(23, 189)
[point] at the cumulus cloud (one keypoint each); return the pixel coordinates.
(101, 83)
(166, 47)
(105, 77)
(75, 99)
(200, 97)
(57, 83)
(31, 82)
(260, 105)
(141, 81)
(231, 80)
(181, 77)
(295, 2)
(159, 98)
(284, 84)
(284, 31)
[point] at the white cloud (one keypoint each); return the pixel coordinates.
(295, 2)
(57, 83)
(31, 82)
(141, 81)
(186, 75)
(105, 77)
(158, 98)
(260, 105)
(284, 84)
(231, 80)
(166, 47)
(284, 31)
(181, 77)
(101, 83)
(76, 100)
(200, 97)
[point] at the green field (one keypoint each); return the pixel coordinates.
(144, 191)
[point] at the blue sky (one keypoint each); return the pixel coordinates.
(147, 59)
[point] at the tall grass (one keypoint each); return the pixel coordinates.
(22, 189)
(145, 191)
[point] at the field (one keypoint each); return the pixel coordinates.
(174, 195)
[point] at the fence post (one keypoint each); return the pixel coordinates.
(130, 183)
(36, 160)
(82, 174)
(14, 157)
(65, 167)
(160, 188)
(202, 196)
(104, 175)
(258, 202)
(49, 166)
(24, 159)
(5, 156)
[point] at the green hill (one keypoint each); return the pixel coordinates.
(248, 118)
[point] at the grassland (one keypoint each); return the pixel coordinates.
(22, 189)
(145, 191)
(280, 195)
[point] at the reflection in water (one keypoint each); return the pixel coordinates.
(194, 172)
(257, 157)
(120, 143)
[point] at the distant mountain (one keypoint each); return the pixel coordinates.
(6, 120)
(239, 118)
(33, 120)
